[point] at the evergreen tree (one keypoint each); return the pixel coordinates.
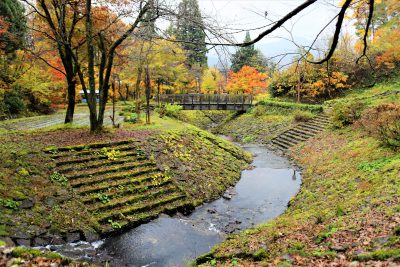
(248, 56)
(12, 12)
(190, 29)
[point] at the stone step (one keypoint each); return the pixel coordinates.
(129, 189)
(288, 140)
(93, 151)
(303, 132)
(93, 157)
(280, 144)
(109, 169)
(86, 181)
(310, 128)
(120, 201)
(96, 164)
(320, 123)
(110, 184)
(96, 145)
(116, 214)
(294, 136)
(147, 216)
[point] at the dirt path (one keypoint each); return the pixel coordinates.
(81, 117)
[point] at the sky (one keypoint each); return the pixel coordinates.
(250, 14)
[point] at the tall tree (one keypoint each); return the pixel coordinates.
(106, 49)
(13, 18)
(100, 36)
(58, 22)
(190, 31)
(248, 56)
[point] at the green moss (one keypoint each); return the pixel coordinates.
(291, 105)
(379, 255)
(31, 252)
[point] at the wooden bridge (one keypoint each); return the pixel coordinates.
(208, 101)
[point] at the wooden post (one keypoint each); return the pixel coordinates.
(201, 107)
(218, 102)
(242, 102)
(192, 102)
(209, 102)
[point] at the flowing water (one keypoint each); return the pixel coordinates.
(261, 194)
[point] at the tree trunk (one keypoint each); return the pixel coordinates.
(138, 80)
(69, 116)
(148, 92)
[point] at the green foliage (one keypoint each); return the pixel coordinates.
(110, 154)
(291, 105)
(248, 139)
(22, 251)
(133, 118)
(10, 203)
(383, 122)
(248, 56)
(379, 255)
(368, 166)
(190, 29)
(302, 116)
(23, 172)
(14, 14)
(140, 152)
(324, 235)
(14, 104)
(169, 110)
(346, 113)
(103, 198)
(115, 225)
(57, 177)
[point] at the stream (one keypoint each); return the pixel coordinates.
(261, 195)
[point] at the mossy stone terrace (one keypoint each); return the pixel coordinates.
(119, 185)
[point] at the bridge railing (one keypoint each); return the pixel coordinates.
(191, 99)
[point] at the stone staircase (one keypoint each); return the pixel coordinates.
(301, 132)
(119, 184)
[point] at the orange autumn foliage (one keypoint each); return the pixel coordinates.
(247, 81)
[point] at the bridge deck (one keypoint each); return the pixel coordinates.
(208, 101)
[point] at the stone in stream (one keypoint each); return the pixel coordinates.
(40, 242)
(90, 236)
(212, 211)
(229, 193)
(227, 196)
(23, 242)
(73, 237)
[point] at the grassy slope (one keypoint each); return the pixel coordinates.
(259, 124)
(348, 208)
(25, 170)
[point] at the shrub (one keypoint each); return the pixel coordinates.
(133, 118)
(169, 110)
(302, 116)
(344, 114)
(248, 139)
(14, 103)
(292, 106)
(383, 122)
(259, 111)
